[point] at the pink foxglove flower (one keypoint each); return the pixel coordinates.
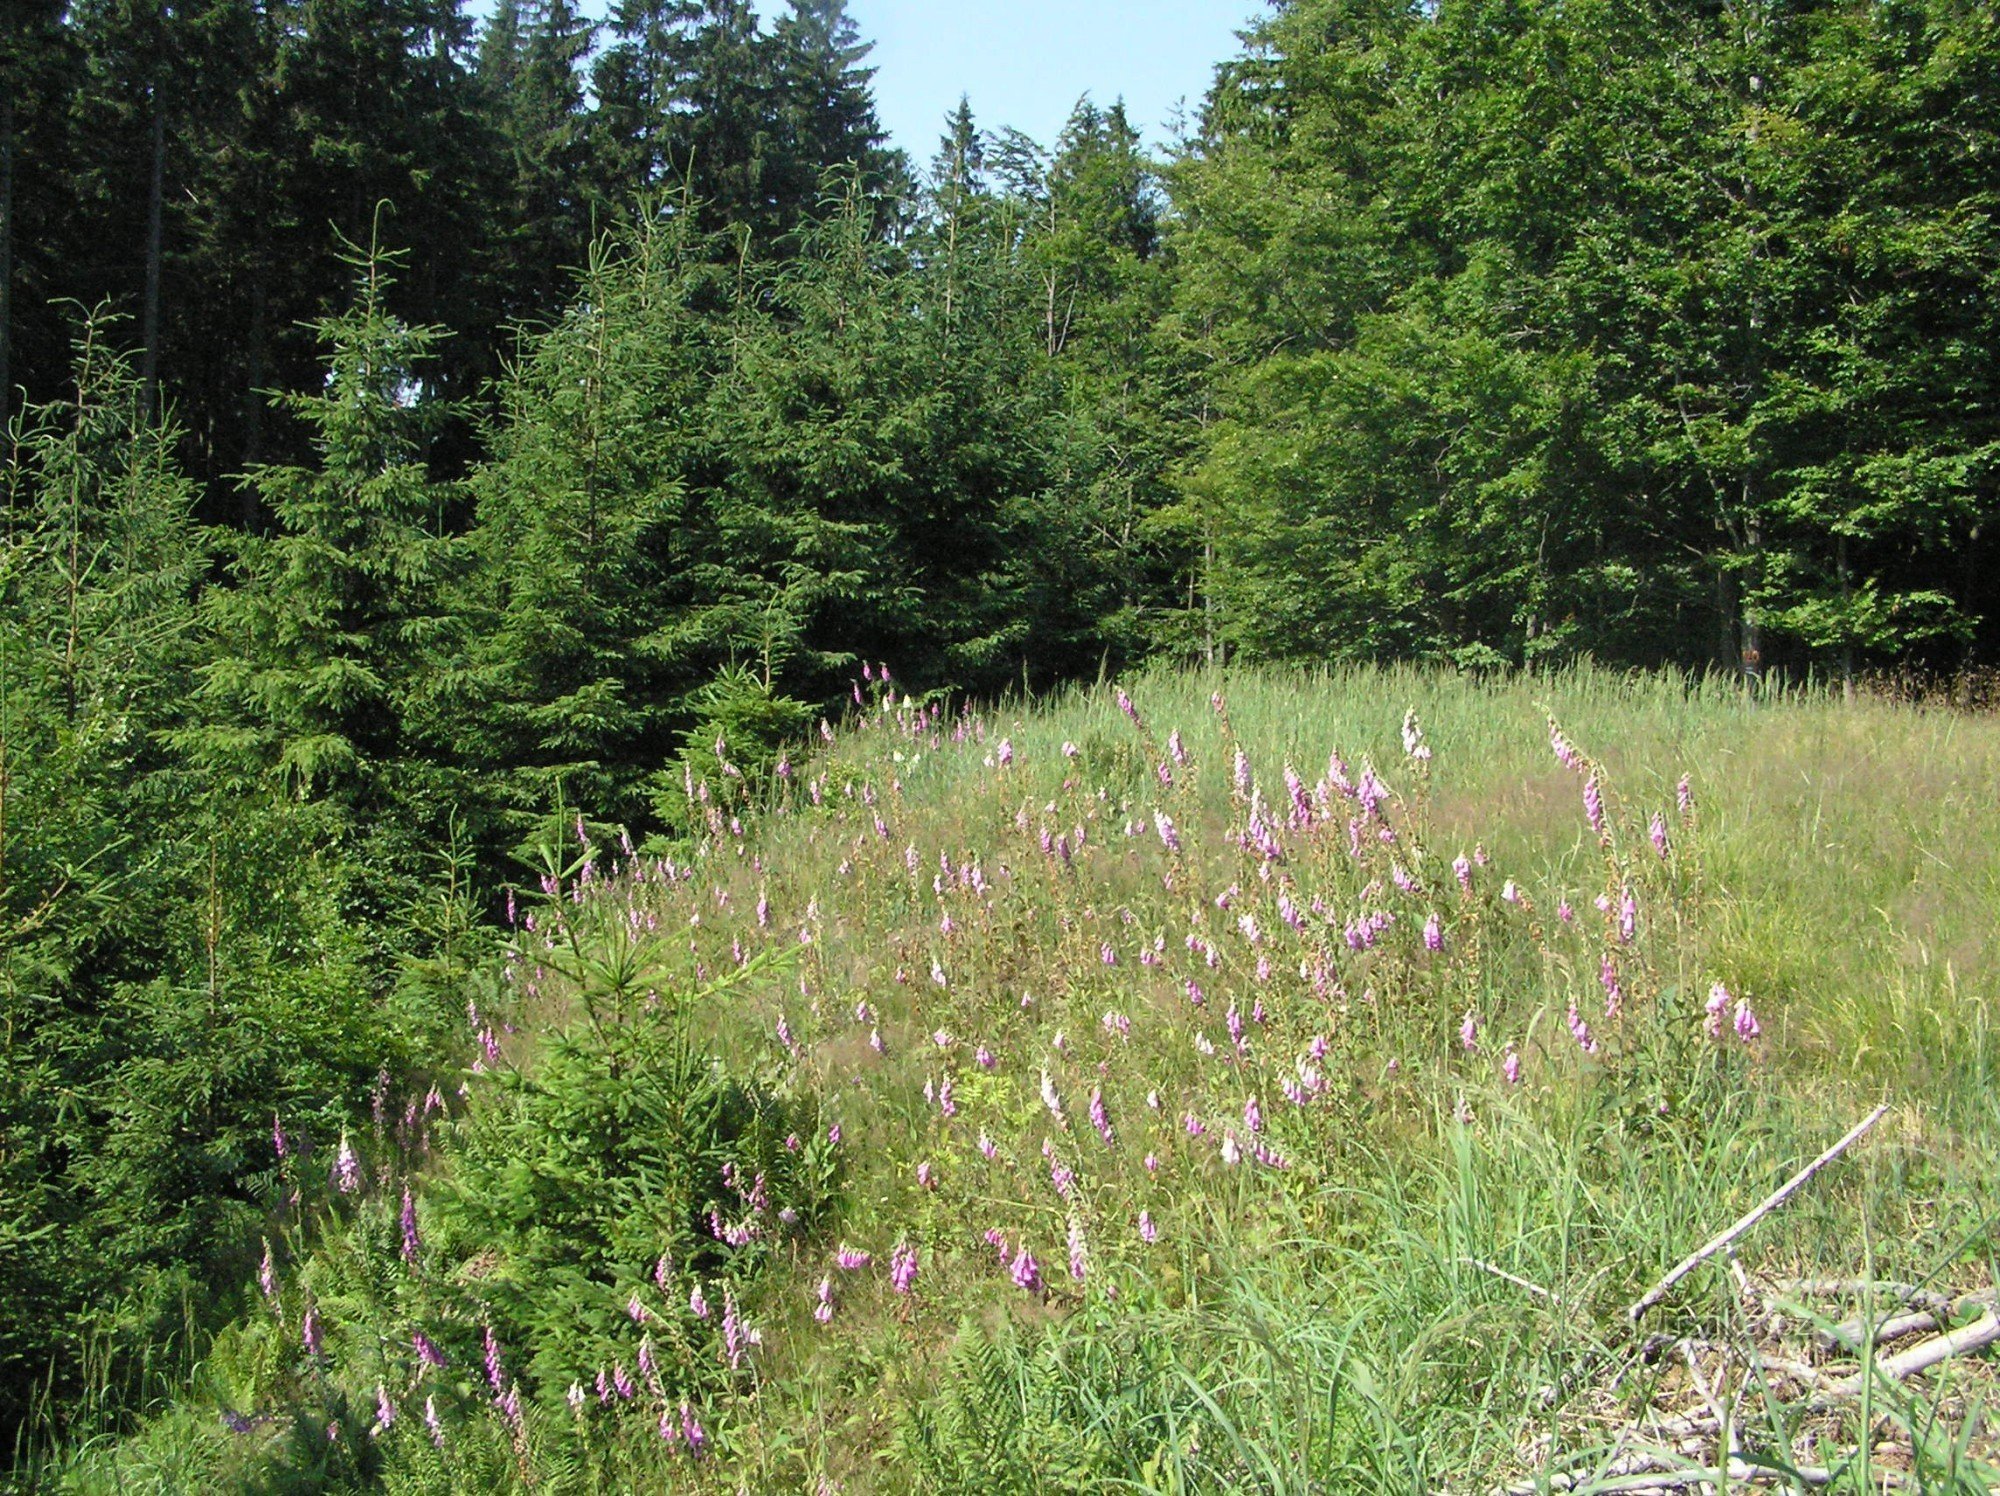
(733, 1337)
(1025, 1271)
(903, 1268)
(823, 1310)
(495, 1373)
(1510, 1066)
(1746, 1021)
(1468, 1031)
(1148, 1232)
(346, 1168)
(1099, 1118)
(1565, 751)
(1718, 1001)
(1433, 934)
(1049, 1097)
(1614, 993)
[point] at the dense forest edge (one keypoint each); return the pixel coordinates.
(441, 458)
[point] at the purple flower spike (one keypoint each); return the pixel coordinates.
(903, 1269)
(346, 1168)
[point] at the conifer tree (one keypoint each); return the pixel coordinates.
(579, 515)
(532, 75)
(338, 645)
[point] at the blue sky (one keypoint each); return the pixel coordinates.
(1025, 63)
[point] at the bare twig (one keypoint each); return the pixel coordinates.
(1534, 1288)
(1850, 1288)
(1783, 1193)
(1937, 1312)
(1850, 1334)
(1925, 1354)
(1643, 1480)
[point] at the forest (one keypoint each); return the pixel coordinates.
(437, 455)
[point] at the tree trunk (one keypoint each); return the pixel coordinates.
(6, 249)
(1753, 631)
(253, 396)
(149, 327)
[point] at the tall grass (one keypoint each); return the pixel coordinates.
(1348, 1212)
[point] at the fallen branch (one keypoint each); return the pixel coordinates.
(1664, 1479)
(1857, 1288)
(1851, 1334)
(1937, 1312)
(1783, 1193)
(1925, 1354)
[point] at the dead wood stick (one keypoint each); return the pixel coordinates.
(1925, 1354)
(1750, 1218)
(1678, 1480)
(1500, 1272)
(1850, 1288)
(1938, 1311)
(1850, 1334)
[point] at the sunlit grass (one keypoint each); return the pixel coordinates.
(1279, 1215)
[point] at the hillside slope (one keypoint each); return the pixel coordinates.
(1271, 1083)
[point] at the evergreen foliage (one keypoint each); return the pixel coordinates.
(668, 396)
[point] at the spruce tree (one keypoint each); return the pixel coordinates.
(339, 650)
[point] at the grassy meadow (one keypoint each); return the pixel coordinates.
(1269, 1082)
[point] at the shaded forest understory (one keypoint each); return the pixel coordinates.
(424, 442)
